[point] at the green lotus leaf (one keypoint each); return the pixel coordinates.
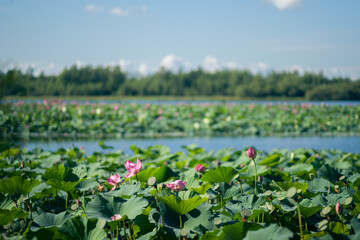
(197, 220)
(86, 185)
(126, 190)
(271, 160)
(301, 170)
(105, 207)
(272, 232)
(161, 174)
(329, 173)
(17, 185)
(182, 206)
(220, 174)
(60, 173)
(237, 230)
(47, 220)
(284, 186)
(61, 177)
(7, 216)
(6, 202)
(79, 228)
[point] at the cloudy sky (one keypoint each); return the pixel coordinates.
(142, 36)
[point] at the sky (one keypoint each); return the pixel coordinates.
(142, 36)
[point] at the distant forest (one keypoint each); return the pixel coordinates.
(111, 81)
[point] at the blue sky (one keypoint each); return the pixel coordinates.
(142, 36)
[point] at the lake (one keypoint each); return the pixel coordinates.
(344, 143)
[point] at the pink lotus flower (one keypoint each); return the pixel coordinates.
(200, 168)
(178, 185)
(338, 208)
(116, 217)
(133, 168)
(251, 153)
(114, 180)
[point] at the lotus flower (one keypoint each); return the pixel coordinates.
(114, 180)
(116, 217)
(251, 153)
(133, 168)
(178, 185)
(200, 168)
(338, 208)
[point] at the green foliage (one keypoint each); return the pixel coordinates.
(214, 206)
(182, 206)
(87, 81)
(220, 174)
(17, 185)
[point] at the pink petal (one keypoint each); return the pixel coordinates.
(113, 188)
(129, 175)
(138, 165)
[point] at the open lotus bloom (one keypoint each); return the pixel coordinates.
(115, 180)
(178, 185)
(116, 217)
(133, 168)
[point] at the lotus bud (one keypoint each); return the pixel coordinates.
(242, 165)
(251, 153)
(78, 202)
(200, 168)
(21, 164)
(217, 162)
(338, 208)
(260, 179)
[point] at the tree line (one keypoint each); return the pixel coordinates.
(100, 81)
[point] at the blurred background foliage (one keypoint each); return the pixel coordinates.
(112, 81)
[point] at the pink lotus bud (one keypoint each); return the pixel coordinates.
(200, 168)
(116, 217)
(78, 202)
(178, 185)
(133, 168)
(260, 179)
(217, 162)
(21, 164)
(338, 208)
(115, 180)
(242, 165)
(251, 153)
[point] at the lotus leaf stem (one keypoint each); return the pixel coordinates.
(300, 225)
(255, 174)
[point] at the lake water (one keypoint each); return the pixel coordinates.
(344, 143)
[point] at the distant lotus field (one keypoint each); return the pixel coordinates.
(61, 119)
(194, 194)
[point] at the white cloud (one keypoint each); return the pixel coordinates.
(284, 4)
(94, 8)
(124, 64)
(174, 63)
(79, 63)
(211, 64)
(144, 8)
(259, 67)
(143, 69)
(118, 11)
(231, 66)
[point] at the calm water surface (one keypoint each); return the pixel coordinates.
(344, 143)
